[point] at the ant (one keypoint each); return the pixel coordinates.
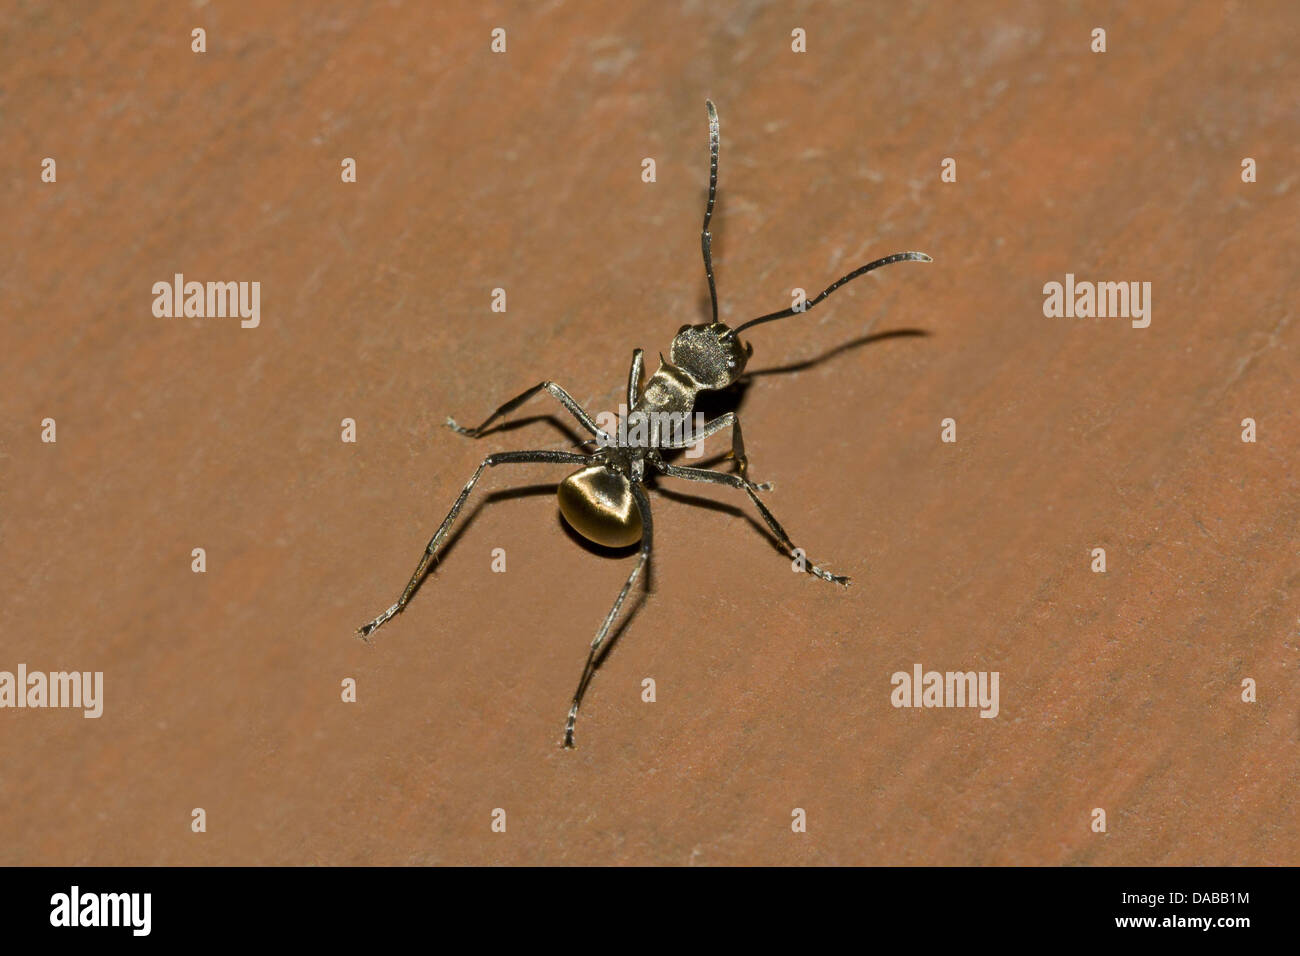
(605, 499)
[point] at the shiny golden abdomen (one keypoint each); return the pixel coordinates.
(598, 504)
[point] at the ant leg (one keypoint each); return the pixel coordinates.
(735, 481)
(634, 379)
(500, 458)
(560, 395)
(737, 443)
(643, 506)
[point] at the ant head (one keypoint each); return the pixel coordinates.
(711, 354)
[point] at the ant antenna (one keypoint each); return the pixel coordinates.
(706, 240)
(786, 313)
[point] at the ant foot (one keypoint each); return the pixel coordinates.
(568, 728)
(460, 429)
(841, 579)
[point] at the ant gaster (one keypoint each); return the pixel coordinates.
(605, 500)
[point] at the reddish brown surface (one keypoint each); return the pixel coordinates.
(1119, 691)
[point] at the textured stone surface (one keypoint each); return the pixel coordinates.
(522, 171)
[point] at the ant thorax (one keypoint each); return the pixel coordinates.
(663, 411)
(669, 390)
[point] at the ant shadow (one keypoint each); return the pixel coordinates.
(713, 404)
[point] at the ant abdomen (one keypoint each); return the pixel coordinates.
(597, 503)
